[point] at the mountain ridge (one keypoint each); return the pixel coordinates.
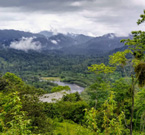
(66, 43)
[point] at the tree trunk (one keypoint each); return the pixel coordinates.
(132, 107)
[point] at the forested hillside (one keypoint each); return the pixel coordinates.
(113, 99)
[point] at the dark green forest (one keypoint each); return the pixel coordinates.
(112, 102)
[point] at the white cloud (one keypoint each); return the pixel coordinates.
(54, 42)
(139, 2)
(26, 44)
(76, 4)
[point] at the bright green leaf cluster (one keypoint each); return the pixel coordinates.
(60, 88)
(137, 44)
(90, 116)
(11, 106)
(119, 58)
(112, 122)
(142, 16)
(102, 68)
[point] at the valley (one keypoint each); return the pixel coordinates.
(72, 67)
(67, 59)
(64, 79)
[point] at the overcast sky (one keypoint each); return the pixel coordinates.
(91, 17)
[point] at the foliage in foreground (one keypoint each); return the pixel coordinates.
(20, 109)
(71, 128)
(21, 112)
(133, 59)
(19, 124)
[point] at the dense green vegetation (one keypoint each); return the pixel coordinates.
(21, 112)
(112, 103)
(33, 65)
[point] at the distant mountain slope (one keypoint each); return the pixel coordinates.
(106, 42)
(97, 45)
(15, 34)
(46, 33)
(61, 41)
(65, 40)
(64, 43)
(79, 38)
(8, 36)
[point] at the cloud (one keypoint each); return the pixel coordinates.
(54, 42)
(64, 6)
(78, 16)
(50, 6)
(76, 4)
(26, 44)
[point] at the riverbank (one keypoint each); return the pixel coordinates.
(53, 97)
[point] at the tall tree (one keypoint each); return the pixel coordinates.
(137, 48)
(133, 57)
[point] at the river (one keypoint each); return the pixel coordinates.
(74, 88)
(53, 97)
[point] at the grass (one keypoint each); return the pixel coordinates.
(67, 128)
(51, 78)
